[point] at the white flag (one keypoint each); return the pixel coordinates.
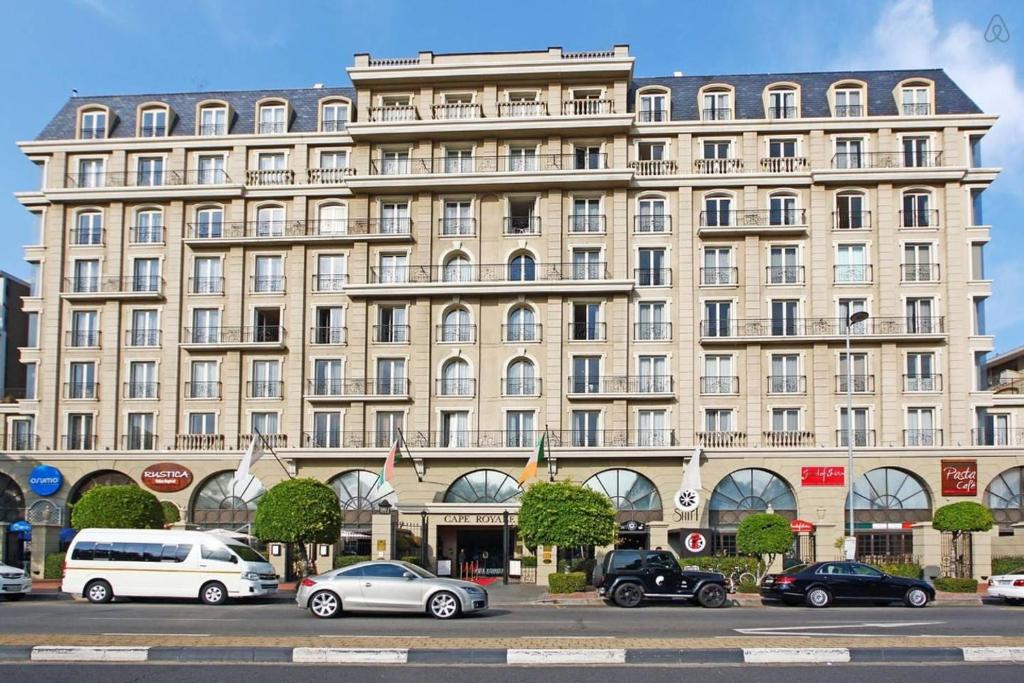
(688, 495)
(252, 455)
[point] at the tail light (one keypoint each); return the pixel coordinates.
(784, 580)
(307, 582)
(1018, 583)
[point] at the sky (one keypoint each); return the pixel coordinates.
(101, 47)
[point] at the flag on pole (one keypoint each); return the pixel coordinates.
(387, 473)
(252, 454)
(539, 456)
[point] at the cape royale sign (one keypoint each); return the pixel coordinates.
(167, 477)
(959, 477)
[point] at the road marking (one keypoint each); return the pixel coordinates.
(780, 655)
(829, 630)
(993, 654)
(580, 656)
(49, 653)
(191, 635)
(359, 635)
(332, 655)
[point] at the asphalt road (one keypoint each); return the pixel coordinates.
(155, 618)
(740, 673)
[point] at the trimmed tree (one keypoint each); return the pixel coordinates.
(172, 515)
(299, 511)
(567, 515)
(764, 536)
(960, 520)
(117, 507)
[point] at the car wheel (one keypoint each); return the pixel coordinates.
(915, 597)
(818, 597)
(444, 605)
(214, 593)
(325, 605)
(98, 592)
(628, 595)
(711, 595)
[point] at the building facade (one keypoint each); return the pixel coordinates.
(476, 249)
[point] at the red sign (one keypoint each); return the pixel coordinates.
(696, 542)
(959, 477)
(167, 477)
(798, 526)
(822, 476)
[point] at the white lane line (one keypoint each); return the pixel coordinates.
(162, 635)
(785, 655)
(993, 654)
(333, 655)
(50, 653)
(358, 635)
(861, 624)
(587, 656)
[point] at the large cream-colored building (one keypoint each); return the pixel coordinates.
(478, 248)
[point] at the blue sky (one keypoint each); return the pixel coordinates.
(129, 46)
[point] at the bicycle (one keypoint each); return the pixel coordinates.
(739, 576)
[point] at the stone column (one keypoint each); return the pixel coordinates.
(981, 552)
(380, 534)
(45, 540)
(547, 563)
(928, 545)
(657, 535)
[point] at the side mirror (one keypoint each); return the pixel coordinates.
(408, 576)
(234, 559)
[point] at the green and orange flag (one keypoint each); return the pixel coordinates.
(539, 456)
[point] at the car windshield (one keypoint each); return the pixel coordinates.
(795, 569)
(1018, 570)
(246, 553)
(418, 571)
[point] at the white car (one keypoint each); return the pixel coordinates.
(14, 583)
(1009, 587)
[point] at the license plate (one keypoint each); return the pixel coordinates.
(768, 582)
(12, 588)
(269, 586)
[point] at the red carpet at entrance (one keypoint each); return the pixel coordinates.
(483, 580)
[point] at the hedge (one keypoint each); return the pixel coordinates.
(748, 587)
(723, 564)
(52, 566)
(1007, 565)
(117, 507)
(413, 559)
(529, 561)
(950, 585)
(574, 582)
(908, 570)
(349, 560)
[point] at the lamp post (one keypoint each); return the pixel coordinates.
(850, 546)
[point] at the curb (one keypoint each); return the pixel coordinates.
(520, 657)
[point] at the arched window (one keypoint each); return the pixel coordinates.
(455, 326)
(212, 119)
(273, 118)
(100, 478)
(888, 494)
(522, 325)
(457, 269)
(783, 102)
(270, 221)
(209, 223)
(222, 502)
(360, 493)
(849, 100)
(917, 209)
(915, 98)
(782, 209)
(154, 122)
(1005, 496)
(93, 124)
(851, 212)
(652, 105)
(456, 379)
(716, 104)
(149, 227)
(483, 486)
(332, 219)
(520, 379)
(334, 116)
(12, 500)
(88, 228)
(718, 212)
(634, 496)
(522, 268)
(652, 215)
(747, 491)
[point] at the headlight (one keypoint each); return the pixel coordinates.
(251, 576)
(474, 590)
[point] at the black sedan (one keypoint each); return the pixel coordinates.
(822, 583)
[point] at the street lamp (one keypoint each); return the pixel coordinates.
(850, 544)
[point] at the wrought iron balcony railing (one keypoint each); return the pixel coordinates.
(860, 384)
(886, 160)
(659, 331)
(624, 384)
(719, 276)
(489, 272)
(719, 384)
(753, 218)
(202, 389)
(257, 334)
(922, 437)
(799, 327)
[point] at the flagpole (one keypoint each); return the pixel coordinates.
(267, 447)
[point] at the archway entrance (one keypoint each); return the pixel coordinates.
(636, 502)
(12, 509)
(887, 503)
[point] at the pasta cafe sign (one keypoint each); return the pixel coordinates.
(959, 477)
(822, 476)
(166, 477)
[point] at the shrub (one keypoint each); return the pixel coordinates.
(52, 566)
(1007, 565)
(766, 536)
(117, 507)
(413, 559)
(908, 570)
(529, 561)
(349, 560)
(949, 584)
(748, 587)
(723, 564)
(172, 515)
(567, 515)
(574, 582)
(961, 519)
(300, 511)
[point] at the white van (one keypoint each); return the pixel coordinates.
(154, 563)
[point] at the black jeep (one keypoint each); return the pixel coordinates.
(627, 577)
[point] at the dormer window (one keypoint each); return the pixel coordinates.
(653, 107)
(334, 117)
(272, 119)
(213, 121)
(94, 125)
(916, 101)
(717, 106)
(153, 124)
(782, 104)
(849, 102)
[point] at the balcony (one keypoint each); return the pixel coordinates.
(717, 166)
(919, 272)
(522, 110)
(22, 441)
(652, 277)
(721, 439)
(139, 441)
(997, 436)
(787, 439)
(520, 386)
(456, 227)
(928, 218)
(269, 177)
(860, 384)
(82, 339)
(916, 109)
(537, 163)
(652, 116)
(141, 389)
(922, 437)
(851, 220)
(661, 332)
(82, 390)
(922, 383)
(201, 390)
(784, 164)
(851, 274)
(329, 282)
(586, 223)
(215, 337)
(148, 179)
(588, 107)
(820, 327)
(266, 284)
(862, 438)
(716, 114)
(86, 238)
(264, 389)
(769, 221)
(781, 112)
(455, 334)
(199, 442)
(78, 442)
(784, 275)
(515, 226)
(113, 287)
(787, 384)
(646, 168)
(372, 387)
(717, 277)
(456, 111)
(490, 272)
(529, 333)
(624, 384)
(269, 440)
(391, 334)
(464, 387)
(720, 385)
(652, 224)
(329, 176)
(886, 160)
(846, 111)
(610, 438)
(393, 112)
(312, 230)
(328, 335)
(206, 285)
(272, 127)
(587, 331)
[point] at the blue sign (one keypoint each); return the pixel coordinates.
(45, 480)
(20, 527)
